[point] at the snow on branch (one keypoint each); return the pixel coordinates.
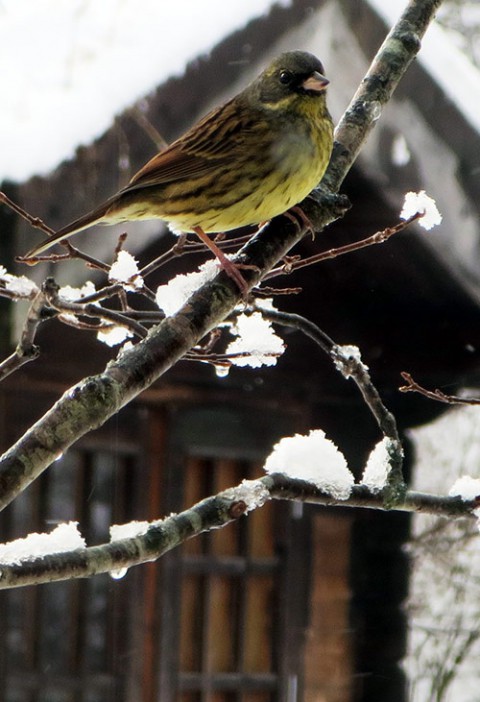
(315, 459)
(420, 203)
(143, 542)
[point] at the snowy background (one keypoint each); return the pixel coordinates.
(68, 67)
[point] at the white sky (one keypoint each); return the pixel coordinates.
(68, 67)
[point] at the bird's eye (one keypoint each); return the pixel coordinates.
(285, 77)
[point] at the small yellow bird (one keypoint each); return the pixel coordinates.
(253, 158)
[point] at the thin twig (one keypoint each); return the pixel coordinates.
(377, 238)
(90, 310)
(438, 395)
(185, 247)
(26, 349)
(73, 253)
(139, 116)
(34, 221)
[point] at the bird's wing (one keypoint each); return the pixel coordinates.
(171, 165)
(214, 141)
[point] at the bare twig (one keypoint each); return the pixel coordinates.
(110, 317)
(377, 238)
(34, 221)
(183, 246)
(438, 395)
(267, 291)
(26, 349)
(73, 252)
(139, 116)
(121, 240)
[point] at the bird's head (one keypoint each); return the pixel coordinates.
(293, 77)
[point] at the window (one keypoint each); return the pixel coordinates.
(65, 642)
(231, 621)
(221, 619)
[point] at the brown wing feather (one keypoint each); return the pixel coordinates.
(217, 139)
(170, 165)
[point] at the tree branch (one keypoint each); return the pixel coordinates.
(26, 349)
(437, 394)
(211, 513)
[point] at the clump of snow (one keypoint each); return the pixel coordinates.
(343, 356)
(124, 270)
(21, 285)
(252, 492)
(423, 204)
(127, 346)
(172, 296)
(378, 466)
(71, 294)
(265, 303)
(128, 531)
(114, 335)
(466, 487)
(18, 285)
(313, 458)
(68, 319)
(255, 337)
(65, 537)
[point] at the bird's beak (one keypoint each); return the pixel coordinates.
(315, 82)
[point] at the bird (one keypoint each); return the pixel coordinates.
(252, 158)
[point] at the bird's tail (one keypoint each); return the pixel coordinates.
(96, 216)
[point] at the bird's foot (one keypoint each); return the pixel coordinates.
(297, 216)
(230, 268)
